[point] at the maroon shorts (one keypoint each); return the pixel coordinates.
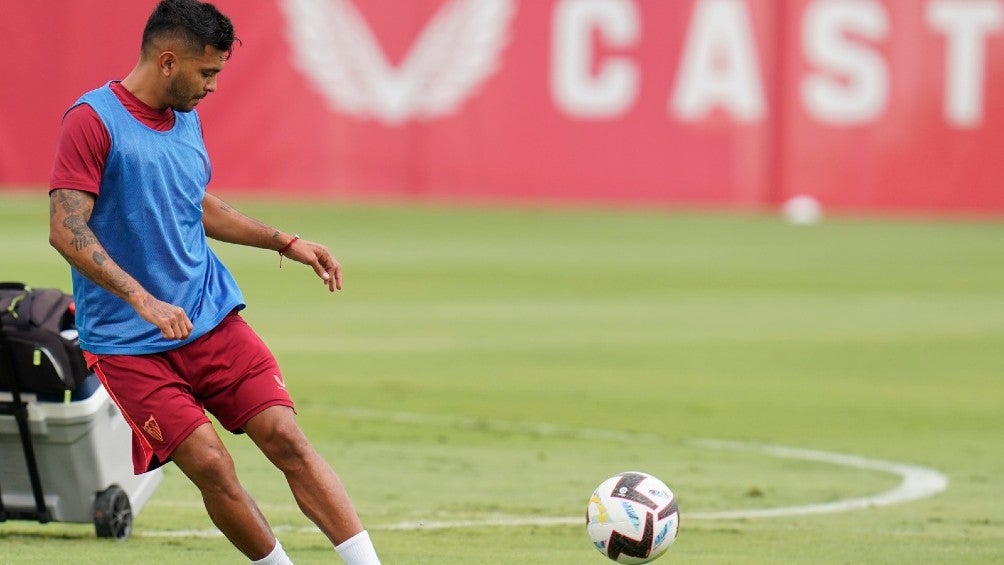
(164, 396)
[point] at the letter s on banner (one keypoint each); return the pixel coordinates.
(863, 94)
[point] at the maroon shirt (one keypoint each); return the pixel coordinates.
(83, 142)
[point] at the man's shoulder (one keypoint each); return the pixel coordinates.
(83, 119)
(93, 95)
(81, 112)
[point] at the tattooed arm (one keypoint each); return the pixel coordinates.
(225, 223)
(70, 234)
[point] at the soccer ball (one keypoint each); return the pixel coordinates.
(632, 518)
(802, 210)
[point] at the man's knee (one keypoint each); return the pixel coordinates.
(290, 451)
(206, 462)
(281, 439)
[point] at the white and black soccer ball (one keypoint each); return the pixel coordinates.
(632, 517)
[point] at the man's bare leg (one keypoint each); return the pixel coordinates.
(317, 489)
(205, 460)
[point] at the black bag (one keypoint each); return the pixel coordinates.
(38, 324)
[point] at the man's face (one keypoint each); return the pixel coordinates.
(195, 78)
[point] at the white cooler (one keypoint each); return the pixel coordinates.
(84, 452)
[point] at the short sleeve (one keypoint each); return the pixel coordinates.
(82, 148)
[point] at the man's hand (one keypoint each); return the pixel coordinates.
(318, 257)
(171, 320)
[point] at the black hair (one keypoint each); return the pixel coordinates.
(197, 24)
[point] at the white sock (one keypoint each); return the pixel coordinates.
(358, 550)
(277, 557)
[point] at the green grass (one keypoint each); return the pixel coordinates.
(500, 363)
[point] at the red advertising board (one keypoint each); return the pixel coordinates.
(865, 104)
(895, 104)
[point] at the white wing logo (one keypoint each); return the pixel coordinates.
(459, 48)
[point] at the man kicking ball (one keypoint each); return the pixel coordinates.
(157, 311)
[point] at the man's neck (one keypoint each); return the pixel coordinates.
(138, 83)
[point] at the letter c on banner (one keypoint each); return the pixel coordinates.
(575, 89)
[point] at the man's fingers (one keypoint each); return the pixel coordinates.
(330, 274)
(320, 259)
(177, 330)
(330, 277)
(186, 326)
(173, 322)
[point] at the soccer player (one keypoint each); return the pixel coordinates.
(156, 309)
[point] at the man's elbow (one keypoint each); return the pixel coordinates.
(60, 238)
(57, 241)
(54, 228)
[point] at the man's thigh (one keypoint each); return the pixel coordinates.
(157, 402)
(234, 374)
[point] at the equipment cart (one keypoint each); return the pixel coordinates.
(65, 457)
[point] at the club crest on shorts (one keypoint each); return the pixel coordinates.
(152, 428)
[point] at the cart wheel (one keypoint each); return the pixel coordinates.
(112, 514)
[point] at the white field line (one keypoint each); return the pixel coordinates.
(916, 482)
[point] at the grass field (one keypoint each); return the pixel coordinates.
(484, 369)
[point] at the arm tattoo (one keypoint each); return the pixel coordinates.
(77, 208)
(83, 237)
(120, 282)
(72, 201)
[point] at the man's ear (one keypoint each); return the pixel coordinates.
(167, 62)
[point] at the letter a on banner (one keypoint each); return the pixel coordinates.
(720, 67)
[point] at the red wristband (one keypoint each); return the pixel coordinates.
(286, 247)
